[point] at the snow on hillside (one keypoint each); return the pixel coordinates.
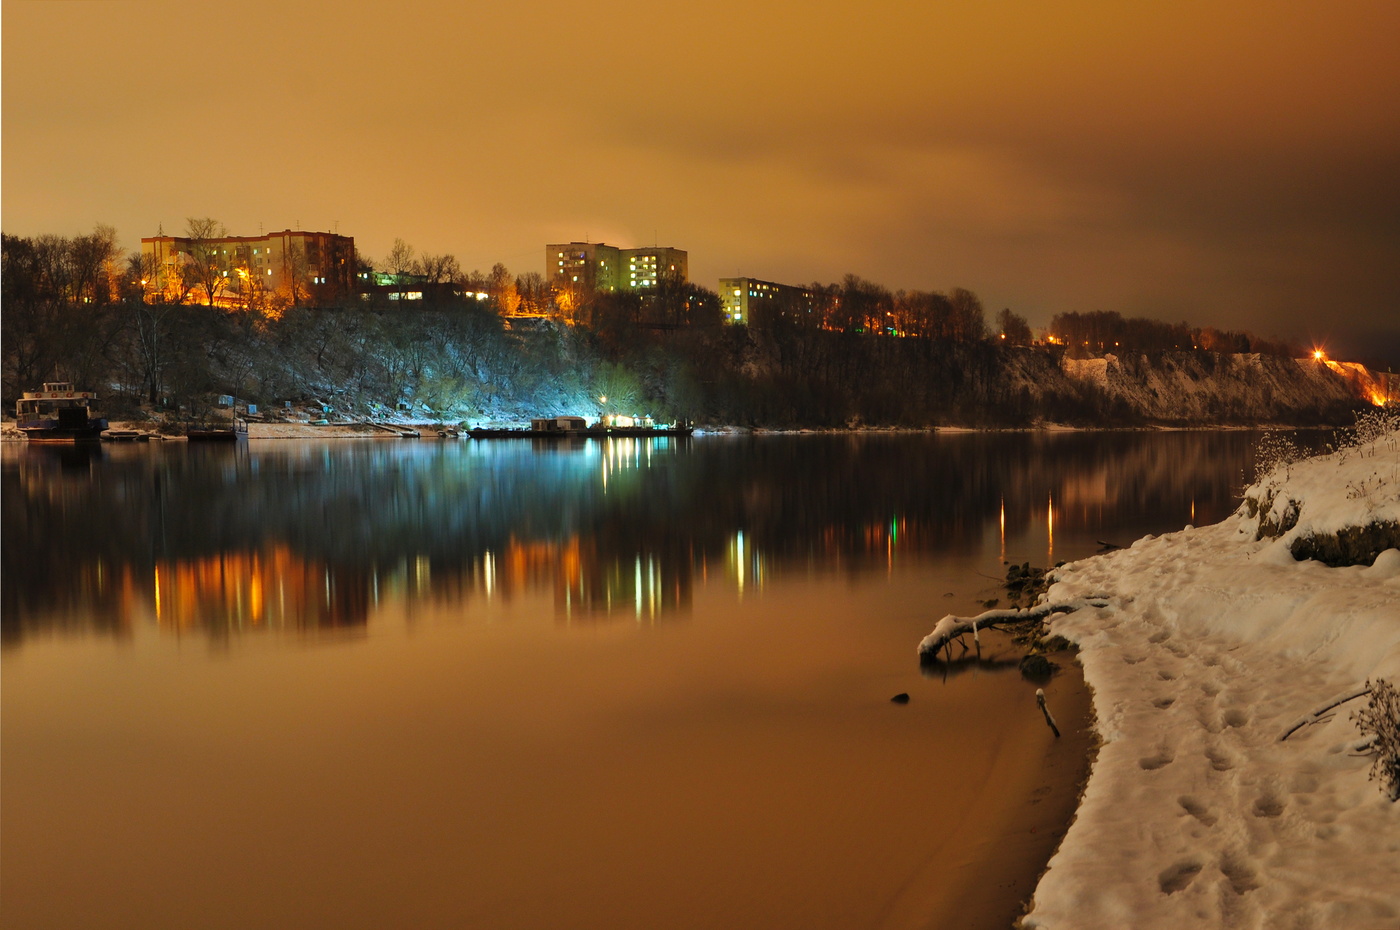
(1203, 387)
(1212, 642)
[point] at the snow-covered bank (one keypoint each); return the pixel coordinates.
(1213, 641)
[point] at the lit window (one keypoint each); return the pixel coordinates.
(575, 277)
(736, 293)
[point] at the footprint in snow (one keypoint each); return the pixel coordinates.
(1197, 809)
(1267, 805)
(1162, 703)
(1178, 876)
(1220, 760)
(1163, 757)
(1239, 872)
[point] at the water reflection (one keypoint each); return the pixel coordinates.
(313, 536)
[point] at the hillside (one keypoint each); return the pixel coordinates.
(1204, 387)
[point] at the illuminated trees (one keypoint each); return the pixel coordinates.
(536, 296)
(501, 287)
(206, 266)
(295, 267)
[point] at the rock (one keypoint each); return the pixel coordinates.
(1353, 545)
(1036, 667)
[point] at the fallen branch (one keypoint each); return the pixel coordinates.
(1315, 715)
(951, 627)
(1366, 746)
(1040, 699)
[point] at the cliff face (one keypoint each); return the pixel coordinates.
(1203, 387)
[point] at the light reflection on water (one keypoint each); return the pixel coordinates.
(284, 535)
(627, 684)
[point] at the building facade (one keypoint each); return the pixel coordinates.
(645, 268)
(741, 296)
(304, 266)
(583, 266)
(596, 266)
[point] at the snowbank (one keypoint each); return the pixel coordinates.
(1212, 643)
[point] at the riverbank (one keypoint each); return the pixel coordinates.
(1212, 643)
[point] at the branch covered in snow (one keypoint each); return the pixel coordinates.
(951, 627)
(1316, 714)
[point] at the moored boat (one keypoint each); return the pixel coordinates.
(58, 413)
(232, 433)
(576, 427)
(125, 435)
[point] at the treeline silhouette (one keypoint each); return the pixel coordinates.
(1102, 331)
(845, 354)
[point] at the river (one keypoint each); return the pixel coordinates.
(579, 683)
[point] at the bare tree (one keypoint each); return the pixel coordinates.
(295, 267)
(438, 269)
(206, 263)
(535, 293)
(400, 258)
(1014, 330)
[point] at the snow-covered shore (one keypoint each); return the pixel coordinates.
(1213, 641)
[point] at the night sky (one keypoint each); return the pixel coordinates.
(1235, 165)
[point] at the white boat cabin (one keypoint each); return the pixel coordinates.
(558, 424)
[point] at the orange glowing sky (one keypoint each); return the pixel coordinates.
(1228, 164)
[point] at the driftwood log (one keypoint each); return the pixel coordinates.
(951, 627)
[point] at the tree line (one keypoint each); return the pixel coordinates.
(499, 345)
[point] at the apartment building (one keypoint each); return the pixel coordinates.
(583, 266)
(741, 296)
(596, 266)
(321, 264)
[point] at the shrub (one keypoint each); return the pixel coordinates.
(1380, 721)
(1274, 450)
(1370, 426)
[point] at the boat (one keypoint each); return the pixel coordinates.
(125, 435)
(58, 413)
(577, 427)
(238, 430)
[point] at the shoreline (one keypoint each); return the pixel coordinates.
(397, 430)
(996, 881)
(1204, 808)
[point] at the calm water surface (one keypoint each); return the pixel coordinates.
(496, 684)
